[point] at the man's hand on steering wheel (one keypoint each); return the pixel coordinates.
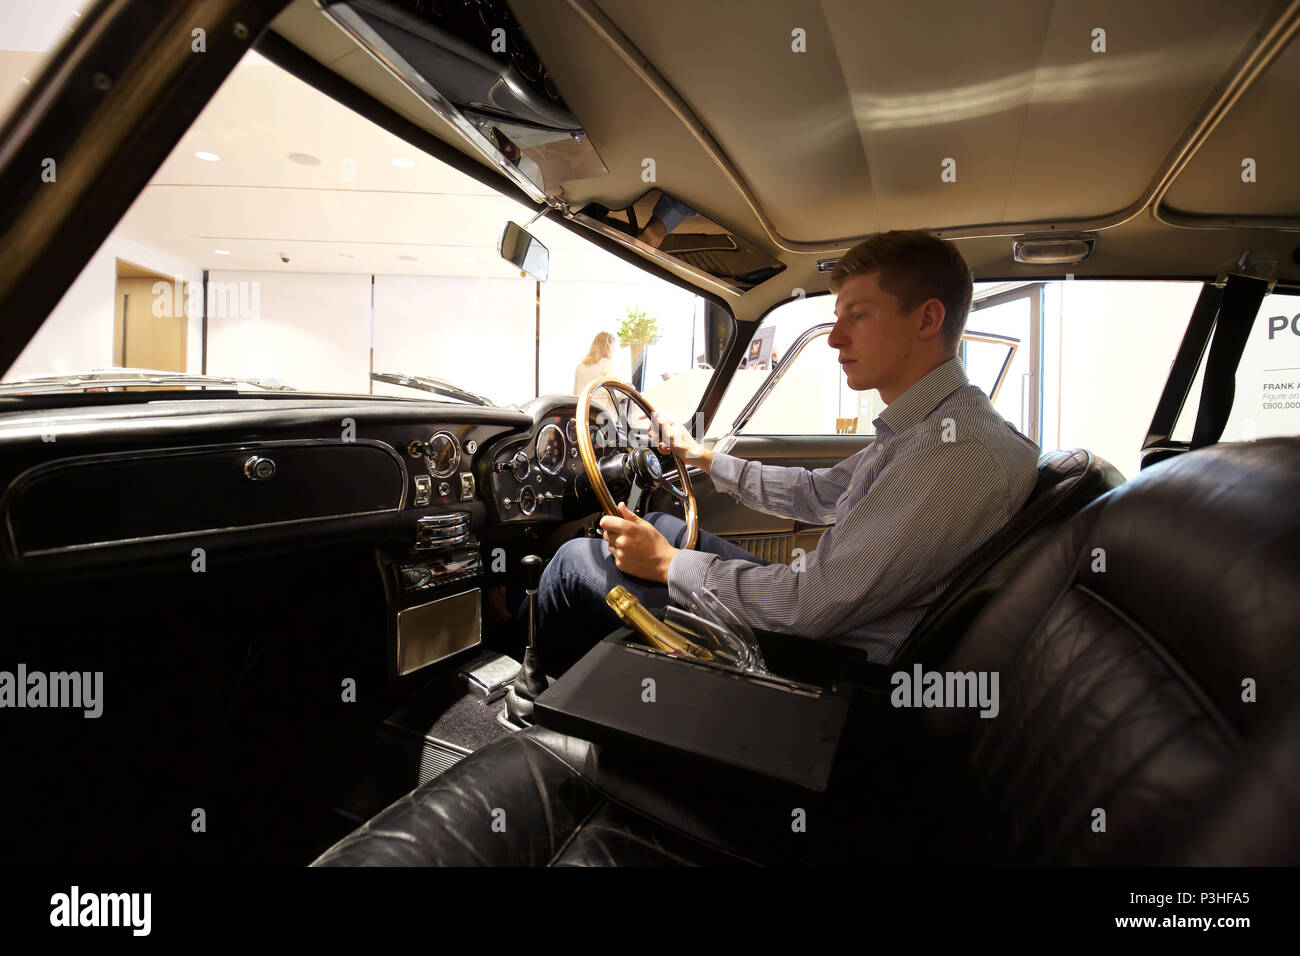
(668, 436)
(637, 546)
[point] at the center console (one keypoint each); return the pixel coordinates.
(433, 593)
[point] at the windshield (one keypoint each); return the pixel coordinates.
(290, 242)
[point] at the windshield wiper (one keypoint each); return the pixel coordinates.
(427, 383)
(117, 378)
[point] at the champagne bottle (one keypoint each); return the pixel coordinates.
(652, 630)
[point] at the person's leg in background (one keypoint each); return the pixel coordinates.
(572, 616)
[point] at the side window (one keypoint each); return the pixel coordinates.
(813, 398)
(989, 361)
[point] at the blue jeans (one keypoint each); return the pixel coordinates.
(572, 616)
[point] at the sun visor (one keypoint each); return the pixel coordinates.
(476, 69)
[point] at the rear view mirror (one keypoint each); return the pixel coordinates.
(520, 247)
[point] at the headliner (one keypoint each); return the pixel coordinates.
(803, 153)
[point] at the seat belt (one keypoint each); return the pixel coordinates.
(1241, 300)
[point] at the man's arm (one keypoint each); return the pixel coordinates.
(919, 519)
(786, 492)
(772, 489)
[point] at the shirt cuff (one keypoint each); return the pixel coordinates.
(725, 472)
(686, 574)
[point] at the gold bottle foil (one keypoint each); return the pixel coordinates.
(652, 630)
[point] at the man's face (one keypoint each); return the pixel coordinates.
(876, 340)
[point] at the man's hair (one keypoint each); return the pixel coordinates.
(914, 265)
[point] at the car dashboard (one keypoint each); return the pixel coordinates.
(180, 485)
(539, 476)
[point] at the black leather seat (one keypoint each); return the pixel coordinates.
(1068, 480)
(1149, 713)
(1150, 666)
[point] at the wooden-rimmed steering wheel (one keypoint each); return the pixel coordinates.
(638, 469)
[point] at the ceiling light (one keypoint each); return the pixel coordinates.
(221, 252)
(304, 159)
(208, 157)
(346, 255)
(407, 258)
(403, 162)
(470, 259)
(1058, 250)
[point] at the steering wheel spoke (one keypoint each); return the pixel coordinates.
(675, 492)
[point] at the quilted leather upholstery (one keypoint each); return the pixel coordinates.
(535, 798)
(1122, 683)
(1121, 691)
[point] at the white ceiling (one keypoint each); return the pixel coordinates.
(354, 213)
(257, 203)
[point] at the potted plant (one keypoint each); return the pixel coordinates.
(637, 330)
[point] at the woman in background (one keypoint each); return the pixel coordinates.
(598, 363)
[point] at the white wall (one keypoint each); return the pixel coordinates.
(475, 333)
(573, 312)
(312, 332)
(1116, 343)
(78, 334)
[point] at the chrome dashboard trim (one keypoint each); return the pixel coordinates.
(564, 448)
(455, 461)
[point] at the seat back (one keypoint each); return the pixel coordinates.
(1148, 668)
(1068, 481)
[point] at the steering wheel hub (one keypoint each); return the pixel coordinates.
(646, 464)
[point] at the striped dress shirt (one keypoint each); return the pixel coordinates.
(944, 473)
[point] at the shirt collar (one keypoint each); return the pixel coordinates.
(923, 396)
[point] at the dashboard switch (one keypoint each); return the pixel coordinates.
(466, 486)
(423, 488)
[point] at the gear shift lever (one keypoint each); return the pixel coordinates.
(530, 681)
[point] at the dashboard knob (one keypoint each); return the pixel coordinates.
(258, 468)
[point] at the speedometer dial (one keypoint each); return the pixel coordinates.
(550, 449)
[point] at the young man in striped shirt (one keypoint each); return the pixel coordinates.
(944, 472)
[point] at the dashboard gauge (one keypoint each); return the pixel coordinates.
(527, 500)
(602, 440)
(550, 449)
(443, 455)
(571, 430)
(519, 466)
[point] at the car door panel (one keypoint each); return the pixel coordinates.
(770, 537)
